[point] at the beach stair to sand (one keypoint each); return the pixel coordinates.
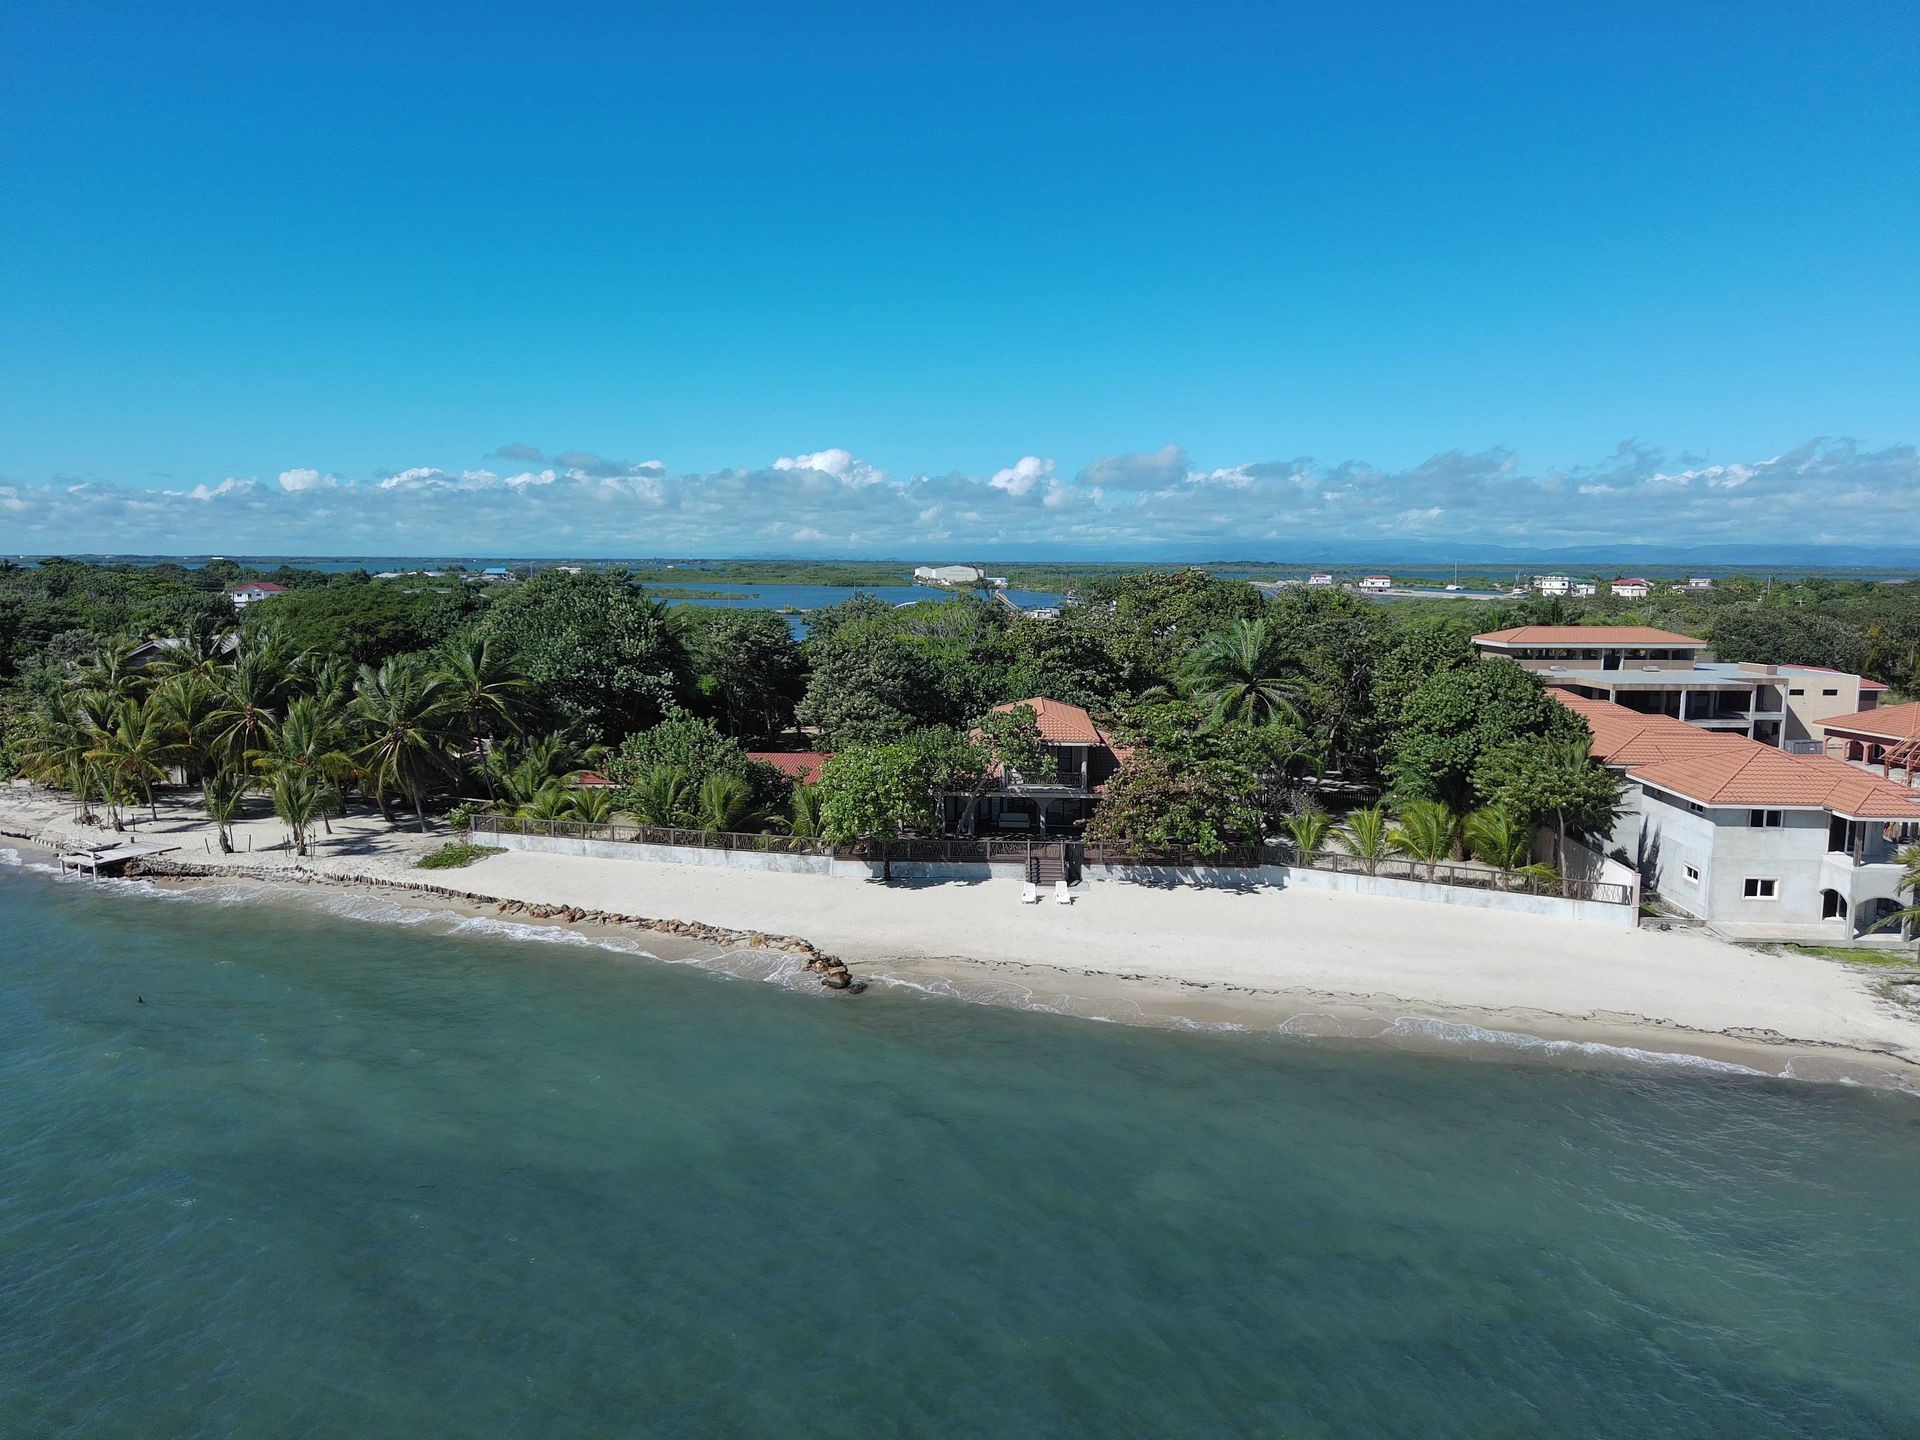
(1046, 870)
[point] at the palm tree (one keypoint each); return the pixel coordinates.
(488, 699)
(311, 740)
(1242, 676)
(662, 796)
(1427, 831)
(183, 707)
(202, 651)
(297, 801)
(725, 802)
(1499, 837)
(222, 794)
(1366, 837)
(111, 669)
(552, 801)
(59, 741)
(399, 709)
(243, 723)
(803, 813)
(1309, 828)
(127, 749)
(591, 804)
(1909, 885)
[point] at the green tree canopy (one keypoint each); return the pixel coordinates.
(598, 651)
(1451, 719)
(876, 792)
(747, 666)
(1545, 778)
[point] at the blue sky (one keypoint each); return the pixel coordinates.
(1110, 278)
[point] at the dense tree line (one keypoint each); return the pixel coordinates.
(1240, 712)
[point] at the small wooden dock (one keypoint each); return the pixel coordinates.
(110, 860)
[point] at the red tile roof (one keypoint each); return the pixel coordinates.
(1887, 722)
(1626, 737)
(1732, 770)
(1059, 722)
(802, 765)
(1590, 635)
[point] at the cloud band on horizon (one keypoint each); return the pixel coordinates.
(829, 502)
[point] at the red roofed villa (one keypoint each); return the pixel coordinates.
(1761, 843)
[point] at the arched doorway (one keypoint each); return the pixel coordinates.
(1873, 912)
(1833, 905)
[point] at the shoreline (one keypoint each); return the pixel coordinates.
(1175, 989)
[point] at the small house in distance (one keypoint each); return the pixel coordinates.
(1376, 582)
(1632, 588)
(1553, 584)
(1320, 577)
(252, 592)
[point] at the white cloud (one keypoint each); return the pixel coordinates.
(303, 479)
(840, 464)
(1020, 477)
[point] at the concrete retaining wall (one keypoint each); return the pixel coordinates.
(1592, 911)
(1164, 876)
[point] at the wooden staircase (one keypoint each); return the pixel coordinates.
(1046, 865)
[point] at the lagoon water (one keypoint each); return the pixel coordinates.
(343, 1178)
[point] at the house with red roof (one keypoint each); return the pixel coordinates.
(1080, 758)
(801, 766)
(1757, 841)
(252, 592)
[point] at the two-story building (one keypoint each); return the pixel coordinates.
(1657, 672)
(1760, 843)
(1629, 588)
(1058, 800)
(1816, 695)
(1553, 584)
(1376, 582)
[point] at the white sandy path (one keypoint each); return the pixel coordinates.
(1304, 942)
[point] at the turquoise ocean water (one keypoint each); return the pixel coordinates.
(344, 1178)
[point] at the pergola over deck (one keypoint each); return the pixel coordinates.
(1886, 736)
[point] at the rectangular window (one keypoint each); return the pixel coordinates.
(1796, 690)
(1829, 692)
(1763, 820)
(1758, 889)
(1693, 874)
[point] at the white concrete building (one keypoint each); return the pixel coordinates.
(1376, 582)
(1757, 842)
(1320, 577)
(1553, 584)
(1653, 671)
(1816, 695)
(1630, 589)
(1584, 589)
(948, 575)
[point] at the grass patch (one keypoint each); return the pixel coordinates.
(454, 854)
(1901, 959)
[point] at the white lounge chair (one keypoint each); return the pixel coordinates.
(1060, 895)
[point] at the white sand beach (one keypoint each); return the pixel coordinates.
(1120, 951)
